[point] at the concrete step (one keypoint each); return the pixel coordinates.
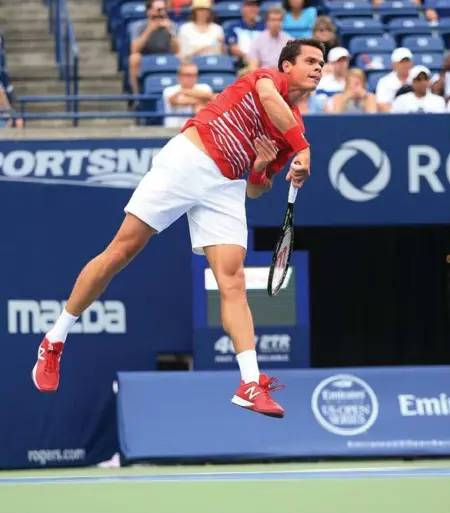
(60, 106)
(46, 46)
(57, 88)
(36, 30)
(25, 73)
(92, 123)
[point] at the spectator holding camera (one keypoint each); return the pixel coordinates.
(156, 35)
(355, 98)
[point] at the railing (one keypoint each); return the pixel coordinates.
(66, 50)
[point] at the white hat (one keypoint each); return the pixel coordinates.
(401, 53)
(338, 53)
(417, 70)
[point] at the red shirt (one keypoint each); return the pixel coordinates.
(229, 124)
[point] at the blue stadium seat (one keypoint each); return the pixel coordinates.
(433, 61)
(228, 11)
(372, 61)
(444, 30)
(345, 9)
(214, 63)
(423, 43)
(373, 78)
(159, 64)
(361, 44)
(155, 84)
(265, 5)
(389, 10)
(133, 11)
(399, 27)
(217, 82)
(358, 27)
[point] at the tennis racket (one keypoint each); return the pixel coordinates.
(283, 249)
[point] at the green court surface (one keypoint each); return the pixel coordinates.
(362, 487)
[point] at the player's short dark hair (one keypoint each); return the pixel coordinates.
(293, 48)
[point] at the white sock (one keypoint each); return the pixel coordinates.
(62, 327)
(248, 364)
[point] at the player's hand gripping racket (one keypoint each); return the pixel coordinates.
(283, 249)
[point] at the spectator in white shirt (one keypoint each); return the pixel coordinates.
(334, 83)
(441, 84)
(201, 36)
(388, 85)
(186, 97)
(420, 99)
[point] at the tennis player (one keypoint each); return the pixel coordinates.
(253, 126)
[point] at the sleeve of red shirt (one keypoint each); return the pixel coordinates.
(278, 78)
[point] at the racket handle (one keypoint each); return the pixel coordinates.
(292, 194)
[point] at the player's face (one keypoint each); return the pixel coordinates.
(306, 73)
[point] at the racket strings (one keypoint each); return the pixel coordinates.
(282, 260)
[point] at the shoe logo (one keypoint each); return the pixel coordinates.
(251, 392)
(41, 353)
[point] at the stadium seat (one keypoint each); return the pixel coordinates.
(217, 82)
(133, 11)
(228, 11)
(159, 64)
(400, 27)
(371, 61)
(358, 27)
(444, 30)
(397, 8)
(214, 63)
(373, 78)
(423, 43)
(360, 44)
(433, 61)
(155, 84)
(267, 4)
(345, 9)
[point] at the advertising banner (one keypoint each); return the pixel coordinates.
(334, 412)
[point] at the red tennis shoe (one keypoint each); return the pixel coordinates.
(46, 371)
(256, 397)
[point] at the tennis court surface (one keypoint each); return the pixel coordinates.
(362, 487)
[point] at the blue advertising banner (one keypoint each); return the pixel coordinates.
(366, 170)
(49, 234)
(281, 322)
(334, 412)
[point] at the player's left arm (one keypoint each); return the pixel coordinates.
(261, 175)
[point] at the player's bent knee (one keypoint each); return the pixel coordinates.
(232, 283)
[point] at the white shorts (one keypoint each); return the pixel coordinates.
(183, 180)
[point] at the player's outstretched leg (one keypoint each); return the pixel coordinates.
(227, 264)
(131, 238)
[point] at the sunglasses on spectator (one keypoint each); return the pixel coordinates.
(182, 74)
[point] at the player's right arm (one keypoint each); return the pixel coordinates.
(282, 117)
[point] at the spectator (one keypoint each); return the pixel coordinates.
(388, 85)
(420, 99)
(241, 34)
(186, 97)
(156, 35)
(325, 30)
(311, 104)
(430, 13)
(6, 111)
(177, 5)
(441, 85)
(334, 82)
(299, 18)
(266, 48)
(201, 36)
(355, 98)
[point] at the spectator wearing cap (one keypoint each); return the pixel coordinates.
(334, 82)
(420, 99)
(201, 36)
(388, 85)
(187, 97)
(155, 35)
(266, 48)
(299, 18)
(241, 34)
